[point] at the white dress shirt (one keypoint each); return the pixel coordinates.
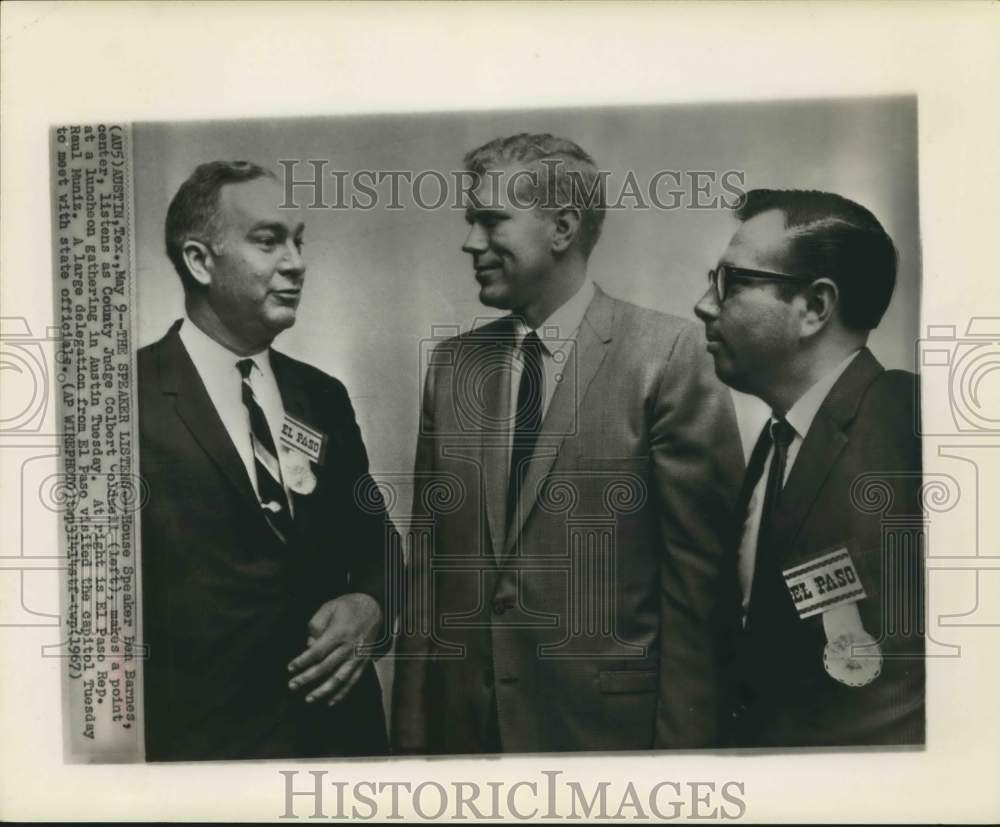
(800, 416)
(557, 335)
(216, 365)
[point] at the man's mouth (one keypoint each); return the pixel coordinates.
(487, 275)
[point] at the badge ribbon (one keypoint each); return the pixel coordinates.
(300, 447)
(830, 585)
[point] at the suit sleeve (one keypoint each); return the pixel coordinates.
(697, 463)
(413, 643)
(891, 563)
(375, 565)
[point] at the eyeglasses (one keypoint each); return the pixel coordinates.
(721, 276)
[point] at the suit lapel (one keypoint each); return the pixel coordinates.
(294, 398)
(824, 443)
(180, 379)
(589, 350)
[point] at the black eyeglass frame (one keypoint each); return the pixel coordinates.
(727, 271)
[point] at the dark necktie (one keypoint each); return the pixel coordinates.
(779, 434)
(528, 417)
(273, 501)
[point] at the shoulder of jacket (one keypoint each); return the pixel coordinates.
(893, 388)
(634, 315)
(648, 329)
(310, 375)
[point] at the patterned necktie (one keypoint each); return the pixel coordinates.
(270, 489)
(779, 434)
(528, 418)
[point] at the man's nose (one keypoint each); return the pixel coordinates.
(475, 241)
(707, 307)
(292, 262)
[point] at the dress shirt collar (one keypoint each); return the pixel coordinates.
(216, 363)
(801, 415)
(559, 329)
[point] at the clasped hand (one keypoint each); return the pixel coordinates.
(331, 665)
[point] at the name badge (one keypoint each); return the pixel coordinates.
(823, 583)
(298, 436)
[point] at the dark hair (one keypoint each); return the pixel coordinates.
(193, 211)
(834, 237)
(570, 178)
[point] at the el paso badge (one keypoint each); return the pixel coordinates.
(830, 585)
(301, 446)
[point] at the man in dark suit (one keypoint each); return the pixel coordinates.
(577, 467)
(263, 542)
(827, 579)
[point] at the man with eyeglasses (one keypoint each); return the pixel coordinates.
(827, 625)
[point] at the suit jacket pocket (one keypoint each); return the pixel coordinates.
(628, 680)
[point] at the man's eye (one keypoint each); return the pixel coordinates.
(488, 220)
(300, 243)
(266, 241)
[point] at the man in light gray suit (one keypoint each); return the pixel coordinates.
(578, 464)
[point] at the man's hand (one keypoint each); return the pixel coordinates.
(330, 665)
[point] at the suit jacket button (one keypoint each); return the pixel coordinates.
(499, 607)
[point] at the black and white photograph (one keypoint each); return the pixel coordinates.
(624, 451)
(593, 561)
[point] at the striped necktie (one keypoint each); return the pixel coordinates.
(270, 489)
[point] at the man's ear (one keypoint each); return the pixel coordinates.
(199, 261)
(566, 225)
(822, 298)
